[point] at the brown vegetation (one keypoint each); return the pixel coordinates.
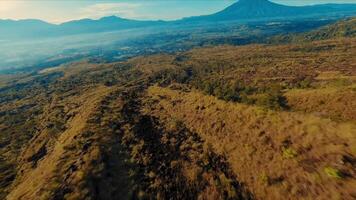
(290, 149)
(258, 121)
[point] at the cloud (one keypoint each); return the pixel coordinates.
(126, 10)
(6, 6)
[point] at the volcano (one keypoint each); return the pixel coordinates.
(257, 9)
(264, 9)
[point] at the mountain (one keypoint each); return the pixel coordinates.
(109, 23)
(242, 11)
(37, 28)
(24, 28)
(264, 9)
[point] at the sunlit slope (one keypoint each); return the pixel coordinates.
(338, 103)
(54, 164)
(55, 136)
(275, 153)
(343, 28)
(316, 78)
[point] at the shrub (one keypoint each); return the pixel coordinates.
(265, 179)
(305, 83)
(222, 89)
(341, 82)
(289, 153)
(272, 97)
(208, 88)
(236, 91)
(272, 101)
(332, 172)
(225, 183)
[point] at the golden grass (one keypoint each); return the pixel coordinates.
(36, 182)
(330, 102)
(333, 75)
(235, 129)
(277, 154)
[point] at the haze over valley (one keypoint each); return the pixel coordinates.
(40, 44)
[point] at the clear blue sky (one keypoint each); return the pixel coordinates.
(58, 11)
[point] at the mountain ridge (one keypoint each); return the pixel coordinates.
(242, 10)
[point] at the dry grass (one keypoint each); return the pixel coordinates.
(250, 137)
(332, 102)
(76, 134)
(45, 178)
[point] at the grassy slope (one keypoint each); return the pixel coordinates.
(336, 103)
(275, 153)
(344, 28)
(46, 134)
(85, 131)
(301, 71)
(52, 165)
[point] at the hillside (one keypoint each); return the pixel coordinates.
(343, 28)
(222, 122)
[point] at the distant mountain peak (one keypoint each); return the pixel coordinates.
(242, 11)
(253, 1)
(266, 9)
(112, 17)
(254, 8)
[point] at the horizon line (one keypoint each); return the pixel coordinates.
(152, 20)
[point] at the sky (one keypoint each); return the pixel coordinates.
(58, 11)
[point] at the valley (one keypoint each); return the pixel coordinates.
(30, 55)
(33, 44)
